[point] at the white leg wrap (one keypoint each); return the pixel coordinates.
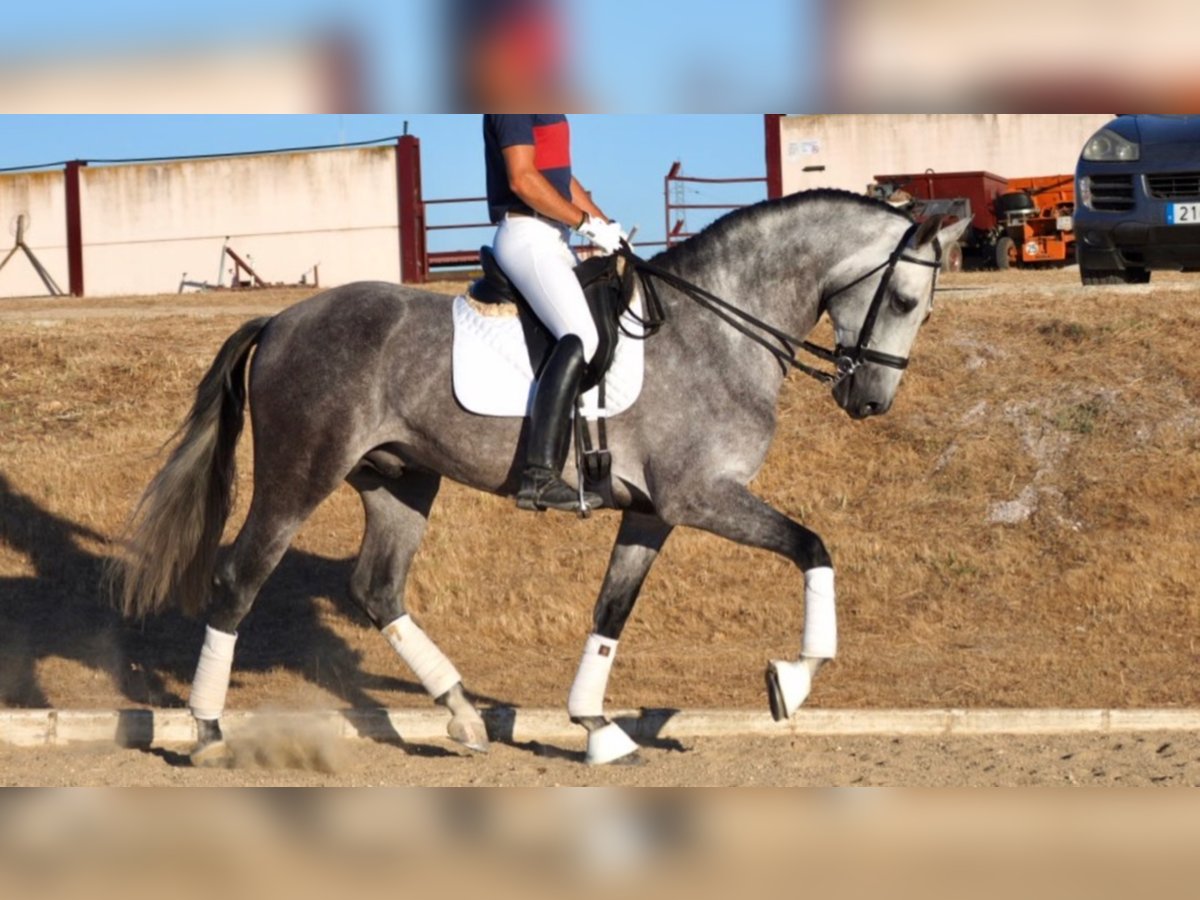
(591, 681)
(435, 672)
(211, 683)
(820, 615)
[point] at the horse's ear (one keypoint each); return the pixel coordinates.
(927, 230)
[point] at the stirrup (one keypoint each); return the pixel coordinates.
(542, 489)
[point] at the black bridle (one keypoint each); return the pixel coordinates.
(780, 344)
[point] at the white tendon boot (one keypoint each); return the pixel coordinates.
(789, 682)
(439, 677)
(207, 700)
(608, 742)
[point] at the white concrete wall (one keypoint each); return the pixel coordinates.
(41, 198)
(951, 54)
(855, 148)
(298, 77)
(145, 225)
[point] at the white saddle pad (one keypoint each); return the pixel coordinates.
(492, 375)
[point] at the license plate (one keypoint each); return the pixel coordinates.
(1183, 214)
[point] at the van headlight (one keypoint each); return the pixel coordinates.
(1108, 146)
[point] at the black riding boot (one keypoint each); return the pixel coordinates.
(542, 486)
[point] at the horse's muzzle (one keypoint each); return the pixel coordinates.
(865, 410)
(858, 404)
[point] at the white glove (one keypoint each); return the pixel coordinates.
(605, 235)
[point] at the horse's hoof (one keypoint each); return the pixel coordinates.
(788, 684)
(611, 744)
(213, 755)
(471, 733)
(633, 760)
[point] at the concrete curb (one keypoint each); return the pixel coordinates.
(147, 727)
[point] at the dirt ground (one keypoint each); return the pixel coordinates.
(1019, 530)
(1141, 760)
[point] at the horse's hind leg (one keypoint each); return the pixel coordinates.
(273, 520)
(638, 541)
(397, 511)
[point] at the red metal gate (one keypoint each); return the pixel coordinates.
(417, 261)
(675, 226)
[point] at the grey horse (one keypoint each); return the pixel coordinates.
(354, 384)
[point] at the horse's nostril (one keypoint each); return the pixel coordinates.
(871, 409)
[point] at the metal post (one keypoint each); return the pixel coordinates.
(674, 178)
(414, 256)
(667, 205)
(773, 123)
(74, 229)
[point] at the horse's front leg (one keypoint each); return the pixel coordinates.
(731, 511)
(639, 539)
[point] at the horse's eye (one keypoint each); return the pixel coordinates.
(903, 305)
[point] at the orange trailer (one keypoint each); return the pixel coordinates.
(1014, 221)
(1036, 216)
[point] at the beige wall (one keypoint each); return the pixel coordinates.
(951, 54)
(144, 226)
(855, 148)
(295, 77)
(41, 198)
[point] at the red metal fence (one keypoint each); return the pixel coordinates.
(675, 226)
(417, 261)
(450, 258)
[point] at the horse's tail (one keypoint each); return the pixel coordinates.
(170, 544)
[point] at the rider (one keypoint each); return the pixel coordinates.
(536, 201)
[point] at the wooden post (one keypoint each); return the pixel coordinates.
(414, 254)
(773, 123)
(74, 229)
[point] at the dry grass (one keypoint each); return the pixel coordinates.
(1019, 530)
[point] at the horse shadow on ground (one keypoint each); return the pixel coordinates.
(60, 610)
(646, 728)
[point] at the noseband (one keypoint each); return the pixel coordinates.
(780, 344)
(847, 359)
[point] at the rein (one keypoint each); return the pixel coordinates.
(778, 343)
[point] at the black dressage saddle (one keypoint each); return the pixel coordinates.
(608, 294)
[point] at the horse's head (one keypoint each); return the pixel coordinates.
(878, 300)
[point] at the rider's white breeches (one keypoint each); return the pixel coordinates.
(536, 257)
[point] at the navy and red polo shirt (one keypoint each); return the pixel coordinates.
(548, 134)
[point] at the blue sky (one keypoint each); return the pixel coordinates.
(621, 158)
(646, 59)
(627, 55)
